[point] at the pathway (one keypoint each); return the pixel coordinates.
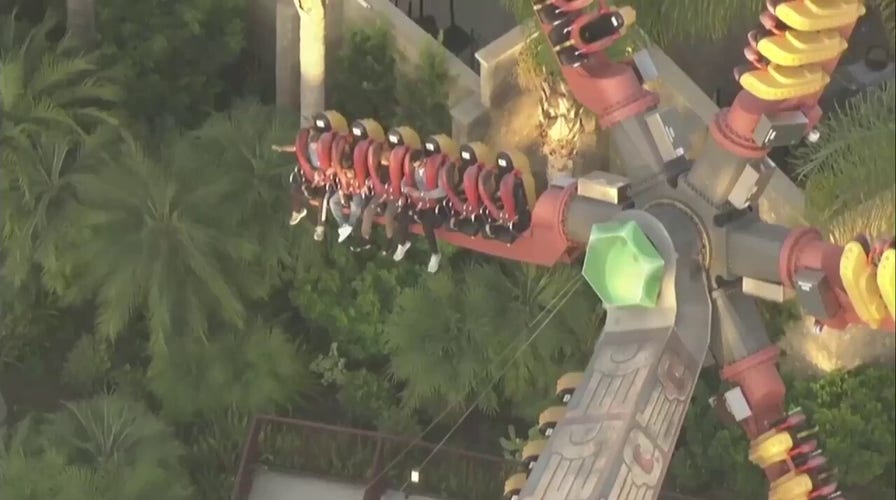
(270, 485)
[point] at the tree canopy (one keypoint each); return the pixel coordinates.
(104, 448)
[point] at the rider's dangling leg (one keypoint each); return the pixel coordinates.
(367, 219)
(300, 201)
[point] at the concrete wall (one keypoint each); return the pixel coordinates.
(497, 64)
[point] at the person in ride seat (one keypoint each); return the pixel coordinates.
(348, 194)
(381, 201)
(514, 181)
(303, 190)
(423, 193)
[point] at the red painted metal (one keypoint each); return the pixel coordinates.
(806, 248)
(758, 378)
(544, 243)
(508, 212)
(608, 89)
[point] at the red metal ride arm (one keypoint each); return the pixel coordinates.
(734, 145)
(609, 89)
(734, 127)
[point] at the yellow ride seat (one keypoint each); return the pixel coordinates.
(860, 283)
(817, 15)
(791, 487)
(796, 48)
(886, 280)
(409, 136)
(778, 83)
(514, 484)
(770, 448)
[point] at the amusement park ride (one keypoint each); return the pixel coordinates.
(675, 250)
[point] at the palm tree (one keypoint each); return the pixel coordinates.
(287, 57)
(455, 351)
(166, 235)
(312, 55)
(45, 85)
(51, 98)
(104, 448)
(80, 23)
(851, 183)
(254, 371)
(239, 143)
(37, 192)
(25, 476)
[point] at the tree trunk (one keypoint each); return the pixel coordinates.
(287, 57)
(561, 127)
(312, 55)
(80, 23)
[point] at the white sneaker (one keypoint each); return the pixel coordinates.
(297, 216)
(344, 232)
(434, 262)
(400, 251)
(318, 233)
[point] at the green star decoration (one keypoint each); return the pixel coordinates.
(622, 265)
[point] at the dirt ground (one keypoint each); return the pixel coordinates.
(810, 354)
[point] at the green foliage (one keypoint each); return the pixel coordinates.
(887, 9)
(215, 447)
(105, 448)
(347, 295)
(855, 413)
(711, 457)
(779, 316)
(45, 476)
(255, 371)
(184, 235)
(176, 53)
(364, 78)
(423, 94)
(693, 20)
(48, 85)
(87, 364)
(452, 353)
(29, 321)
(50, 97)
(365, 397)
(850, 168)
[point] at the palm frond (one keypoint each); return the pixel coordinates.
(853, 160)
(887, 10)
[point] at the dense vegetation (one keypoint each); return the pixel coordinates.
(149, 280)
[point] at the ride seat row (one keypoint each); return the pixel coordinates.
(480, 192)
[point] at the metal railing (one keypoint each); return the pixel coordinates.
(357, 455)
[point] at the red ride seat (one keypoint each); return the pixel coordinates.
(508, 194)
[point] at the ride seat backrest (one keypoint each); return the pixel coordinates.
(507, 194)
(376, 171)
(396, 168)
(471, 186)
(489, 182)
(359, 162)
(453, 173)
(325, 147)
